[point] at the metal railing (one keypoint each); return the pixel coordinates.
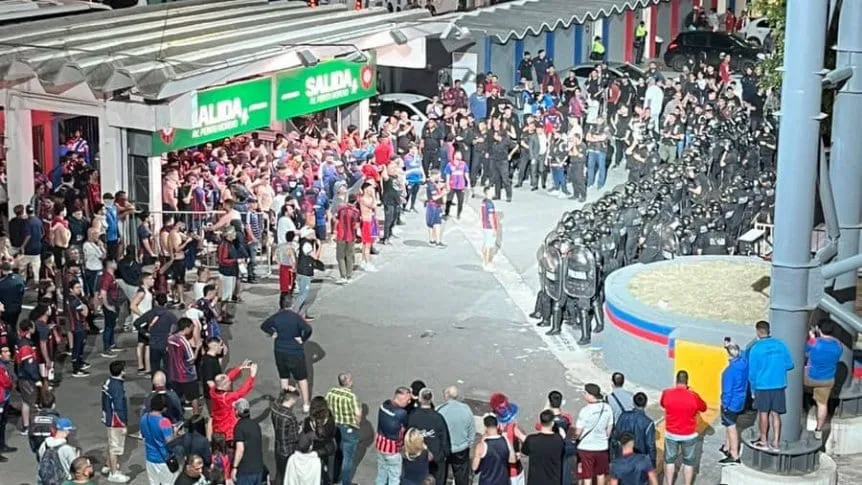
(199, 225)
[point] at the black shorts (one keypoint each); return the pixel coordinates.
(770, 401)
(187, 391)
(178, 271)
(728, 418)
(143, 338)
(291, 365)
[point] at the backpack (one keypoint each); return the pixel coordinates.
(51, 470)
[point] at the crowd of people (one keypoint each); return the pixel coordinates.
(700, 155)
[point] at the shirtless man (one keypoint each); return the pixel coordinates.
(169, 191)
(367, 204)
(164, 232)
(177, 241)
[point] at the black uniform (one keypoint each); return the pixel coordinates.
(498, 151)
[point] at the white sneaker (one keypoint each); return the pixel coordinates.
(106, 470)
(108, 355)
(341, 281)
(306, 408)
(118, 477)
(552, 191)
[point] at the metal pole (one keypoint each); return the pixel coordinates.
(845, 169)
(798, 146)
(848, 264)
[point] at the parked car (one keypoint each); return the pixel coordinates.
(414, 105)
(755, 31)
(690, 45)
(616, 70)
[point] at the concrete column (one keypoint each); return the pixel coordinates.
(154, 166)
(798, 147)
(845, 169)
(19, 153)
(112, 158)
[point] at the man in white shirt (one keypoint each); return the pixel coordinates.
(592, 430)
(653, 100)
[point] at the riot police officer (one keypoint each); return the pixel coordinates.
(498, 153)
(714, 242)
(577, 174)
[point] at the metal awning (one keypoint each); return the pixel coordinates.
(160, 51)
(518, 19)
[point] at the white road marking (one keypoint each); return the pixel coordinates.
(580, 369)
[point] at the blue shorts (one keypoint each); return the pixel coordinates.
(770, 401)
(433, 215)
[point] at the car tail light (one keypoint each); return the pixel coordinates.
(672, 46)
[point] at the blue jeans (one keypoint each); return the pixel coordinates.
(79, 337)
(349, 443)
(596, 160)
(108, 340)
(303, 286)
(558, 176)
(247, 479)
(388, 469)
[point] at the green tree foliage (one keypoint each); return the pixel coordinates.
(775, 11)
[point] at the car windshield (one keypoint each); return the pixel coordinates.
(738, 40)
(633, 72)
(421, 105)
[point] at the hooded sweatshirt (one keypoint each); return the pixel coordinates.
(302, 469)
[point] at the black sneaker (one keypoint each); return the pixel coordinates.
(8, 449)
(728, 460)
(441, 245)
(80, 373)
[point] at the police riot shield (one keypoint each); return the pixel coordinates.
(669, 241)
(581, 273)
(551, 264)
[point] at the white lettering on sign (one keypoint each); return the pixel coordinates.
(220, 116)
(334, 85)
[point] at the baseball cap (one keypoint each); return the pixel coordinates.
(241, 405)
(64, 424)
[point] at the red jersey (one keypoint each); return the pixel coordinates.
(347, 217)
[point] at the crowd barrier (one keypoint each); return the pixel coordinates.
(199, 224)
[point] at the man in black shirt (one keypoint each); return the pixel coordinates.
(248, 458)
(433, 427)
(391, 197)
(17, 229)
(192, 472)
(210, 366)
(546, 450)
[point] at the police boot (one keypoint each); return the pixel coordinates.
(537, 309)
(600, 316)
(586, 329)
(556, 322)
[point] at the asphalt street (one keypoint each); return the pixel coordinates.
(429, 313)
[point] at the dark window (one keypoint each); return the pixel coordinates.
(695, 39)
(583, 72)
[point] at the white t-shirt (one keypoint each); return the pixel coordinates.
(285, 224)
(198, 289)
(594, 419)
(93, 255)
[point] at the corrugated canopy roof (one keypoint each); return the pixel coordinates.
(145, 48)
(531, 17)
